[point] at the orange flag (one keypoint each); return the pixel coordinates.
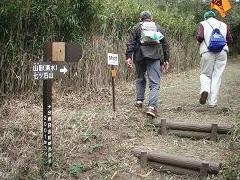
(222, 6)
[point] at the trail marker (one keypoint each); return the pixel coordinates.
(113, 61)
(53, 65)
(48, 70)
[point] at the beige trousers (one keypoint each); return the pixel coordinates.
(212, 66)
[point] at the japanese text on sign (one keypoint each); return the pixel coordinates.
(47, 70)
(112, 59)
(47, 135)
(44, 71)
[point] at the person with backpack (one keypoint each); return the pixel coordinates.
(214, 38)
(146, 42)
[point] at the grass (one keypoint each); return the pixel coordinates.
(76, 169)
(92, 142)
(22, 39)
(88, 135)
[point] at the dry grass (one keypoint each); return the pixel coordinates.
(92, 71)
(92, 142)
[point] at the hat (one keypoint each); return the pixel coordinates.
(209, 14)
(145, 15)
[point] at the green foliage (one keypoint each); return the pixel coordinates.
(104, 168)
(88, 135)
(27, 22)
(26, 25)
(94, 148)
(236, 133)
(231, 170)
(76, 169)
(16, 131)
(118, 17)
(233, 19)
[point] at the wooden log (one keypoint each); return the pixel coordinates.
(204, 170)
(174, 169)
(214, 133)
(143, 159)
(179, 161)
(194, 127)
(190, 134)
(163, 127)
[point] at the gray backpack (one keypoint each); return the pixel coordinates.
(150, 34)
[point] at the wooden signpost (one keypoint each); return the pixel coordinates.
(113, 61)
(53, 65)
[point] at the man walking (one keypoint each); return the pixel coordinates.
(214, 37)
(144, 50)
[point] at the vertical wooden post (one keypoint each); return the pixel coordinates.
(47, 112)
(143, 159)
(53, 52)
(47, 122)
(163, 127)
(113, 86)
(213, 136)
(204, 170)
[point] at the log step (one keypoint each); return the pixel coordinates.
(177, 164)
(192, 127)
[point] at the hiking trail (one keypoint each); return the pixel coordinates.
(92, 142)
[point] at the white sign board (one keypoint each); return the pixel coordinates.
(112, 59)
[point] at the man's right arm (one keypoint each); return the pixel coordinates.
(131, 43)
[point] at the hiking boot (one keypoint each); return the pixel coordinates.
(152, 112)
(203, 97)
(139, 104)
(212, 106)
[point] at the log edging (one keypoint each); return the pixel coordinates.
(176, 164)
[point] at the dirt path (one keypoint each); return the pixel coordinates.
(91, 142)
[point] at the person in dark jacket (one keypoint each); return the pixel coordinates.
(147, 59)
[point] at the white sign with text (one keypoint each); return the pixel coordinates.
(112, 59)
